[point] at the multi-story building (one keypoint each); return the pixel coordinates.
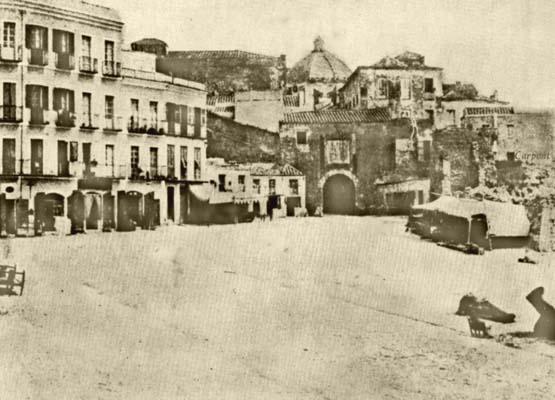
(90, 132)
(404, 84)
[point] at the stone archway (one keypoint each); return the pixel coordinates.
(339, 195)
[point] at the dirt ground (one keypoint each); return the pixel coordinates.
(328, 308)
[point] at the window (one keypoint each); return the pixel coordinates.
(197, 121)
(183, 162)
(36, 37)
(420, 197)
(63, 100)
(302, 138)
(87, 104)
(63, 42)
(134, 120)
(86, 47)
(109, 51)
(63, 159)
(272, 186)
(154, 114)
(9, 107)
(382, 88)
(294, 186)
(135, 170)
(171, 160)
(221, 183)
(73, 151)
(510, 131)
(256, 185)
(109, 112)
(511, 156)
(405, 89)
(338, 152)
(109, 157)
(8, 156)
(8, 36)
(427, 149)
(197, 163)
(36, 156)
(153, 162)
(241, 182)
(429, 85)
(363, 92)
(452, 117)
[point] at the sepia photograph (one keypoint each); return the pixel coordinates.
(291, 200)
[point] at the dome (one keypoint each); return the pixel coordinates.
(319, 65)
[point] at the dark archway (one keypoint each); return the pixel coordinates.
(47, 208)
(339, 195)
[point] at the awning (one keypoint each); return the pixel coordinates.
(201, 192)
(504, 219)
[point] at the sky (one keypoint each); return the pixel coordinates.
(504, 45)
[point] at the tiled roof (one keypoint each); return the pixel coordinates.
(319, 65)
(488, 110)
(218, 54)
(337, 116)
(219, 99)
(265, 169)
(149, 42)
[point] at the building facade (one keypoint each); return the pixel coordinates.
(404, 84)
(357, 161)
(90, 134)
(266, 188)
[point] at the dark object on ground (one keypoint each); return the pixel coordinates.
(472, 307)
(527, 260)
(10, 279)
(478, 328)
(470, 248)
(545, 326)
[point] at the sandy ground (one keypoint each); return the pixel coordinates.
(330, 308)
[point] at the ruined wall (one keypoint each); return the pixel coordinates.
(467, 151)
(233, 141)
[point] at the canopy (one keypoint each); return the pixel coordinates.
(504, 219)
(201, 192)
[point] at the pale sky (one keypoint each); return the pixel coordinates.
(508, 45)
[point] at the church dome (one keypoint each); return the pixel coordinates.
(319, 66)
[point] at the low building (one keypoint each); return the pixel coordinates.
(151, 45)
(265, 188)
(358, 160)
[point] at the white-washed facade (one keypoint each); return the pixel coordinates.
(90, 133)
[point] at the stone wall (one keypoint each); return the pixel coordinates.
(373, 156)
(233, 141)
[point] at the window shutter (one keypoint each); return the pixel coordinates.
(71, 101)
(184, 124)
(28, 95)
(44, 97)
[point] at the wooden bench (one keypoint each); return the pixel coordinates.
(10, 278)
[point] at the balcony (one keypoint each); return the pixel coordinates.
(89, 122)
(156, 128)
(111, 69)
(37, 57)
(64, 61)
(11, 114)
(112, 124)
(38, 116)
(11, 54)
(88, 65)
(65, 119)
(135, 125)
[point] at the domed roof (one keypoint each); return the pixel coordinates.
(319, 65)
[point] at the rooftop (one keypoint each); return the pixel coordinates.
(319, 65)
(407, 60)
(78, 7)
(337, 116)
(219, 54)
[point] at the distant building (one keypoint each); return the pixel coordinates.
(151, 45)
(312, 83)
(404, 84)
(357, 160)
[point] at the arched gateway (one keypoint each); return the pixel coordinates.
(339, 194)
